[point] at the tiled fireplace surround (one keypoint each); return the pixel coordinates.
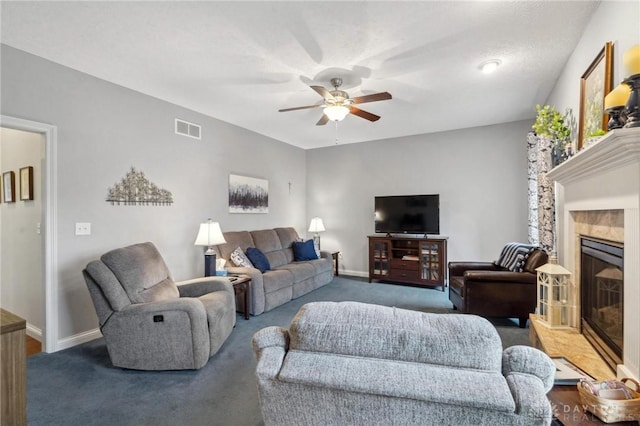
(598, 195)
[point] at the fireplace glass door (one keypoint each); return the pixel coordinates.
(602, 290)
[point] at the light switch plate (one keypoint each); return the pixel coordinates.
(83, 228)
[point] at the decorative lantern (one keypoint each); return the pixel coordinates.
(555, 295)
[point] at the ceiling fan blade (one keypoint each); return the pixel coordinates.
(382, 96)
(323, 92)
(297, 108)
(364, 114)
(323, 120)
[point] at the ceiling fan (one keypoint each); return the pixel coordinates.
(337, 103)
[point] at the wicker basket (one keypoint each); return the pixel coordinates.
(612, 410)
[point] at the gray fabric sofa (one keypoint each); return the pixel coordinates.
(351, 363)
(151, 322)
(287, 278)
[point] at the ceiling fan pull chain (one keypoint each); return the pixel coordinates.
(336, 131)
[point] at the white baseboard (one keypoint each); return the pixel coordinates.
(623, 371)
(35, 332)
(76, 339)
(354, 273)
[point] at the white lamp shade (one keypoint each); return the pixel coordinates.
(336, 112)
(316, 225)
(209, 234)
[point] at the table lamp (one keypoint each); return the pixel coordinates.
(209, 235)
(316, 226)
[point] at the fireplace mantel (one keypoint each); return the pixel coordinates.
(605, 176)
(614, 150)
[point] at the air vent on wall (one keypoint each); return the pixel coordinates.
(185, 128)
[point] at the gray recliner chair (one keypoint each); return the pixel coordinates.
(151, 322)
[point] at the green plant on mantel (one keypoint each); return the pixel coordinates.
(597, 133)
(549, 122)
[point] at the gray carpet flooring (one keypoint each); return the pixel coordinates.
(79, 386)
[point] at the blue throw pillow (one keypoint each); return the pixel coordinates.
(304, 251)
(258, 259)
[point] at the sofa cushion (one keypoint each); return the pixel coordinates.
(514, 256)
(287, 237)
(267, 242)
(165, 290)
(304, 251)
(108, 283)
(301, 270)
(234, 239)
(277, 279)
(240, 259)
(322, 265)
(481, 389)
(140, 267)
(359, 329)
(258, 259)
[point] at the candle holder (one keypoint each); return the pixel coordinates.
(617, 117)
(633, 103)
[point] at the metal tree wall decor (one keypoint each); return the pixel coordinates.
(136, 189)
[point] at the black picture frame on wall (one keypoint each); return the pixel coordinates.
(26, 183)
(9, 187)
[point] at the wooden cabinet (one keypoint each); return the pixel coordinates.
(13, 369)
(408, 260)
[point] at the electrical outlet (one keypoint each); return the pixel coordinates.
(83, 228)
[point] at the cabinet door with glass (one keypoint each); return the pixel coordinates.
(379, 258)
(432, 259)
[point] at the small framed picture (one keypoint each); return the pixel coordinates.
(26, 183)
(595, 84)
(9, 187)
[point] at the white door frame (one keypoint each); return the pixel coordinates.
(50, 204)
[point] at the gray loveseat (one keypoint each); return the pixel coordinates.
(351, 363)
(287, 279)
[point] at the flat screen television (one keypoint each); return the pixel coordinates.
(408, 214)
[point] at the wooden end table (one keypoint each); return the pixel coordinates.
(242, 289)
(336, 256)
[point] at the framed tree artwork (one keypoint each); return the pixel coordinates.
(595, 84)
(9, 187)
(26, 183)
(248, 194)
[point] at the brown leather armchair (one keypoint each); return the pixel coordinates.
(485, 289)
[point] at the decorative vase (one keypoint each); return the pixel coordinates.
(558, 156)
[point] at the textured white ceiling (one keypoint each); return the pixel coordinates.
(242, 61)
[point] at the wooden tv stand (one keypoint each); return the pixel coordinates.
(408, 260)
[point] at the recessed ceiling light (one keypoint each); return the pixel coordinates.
(488, 67)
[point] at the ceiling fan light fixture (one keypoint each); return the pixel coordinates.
(336, 112)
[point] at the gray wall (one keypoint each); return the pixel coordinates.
(21, 286)
(624, 33)
(103, 130)
(480, 174)
(614, 21)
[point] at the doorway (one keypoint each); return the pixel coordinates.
(30, 247)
